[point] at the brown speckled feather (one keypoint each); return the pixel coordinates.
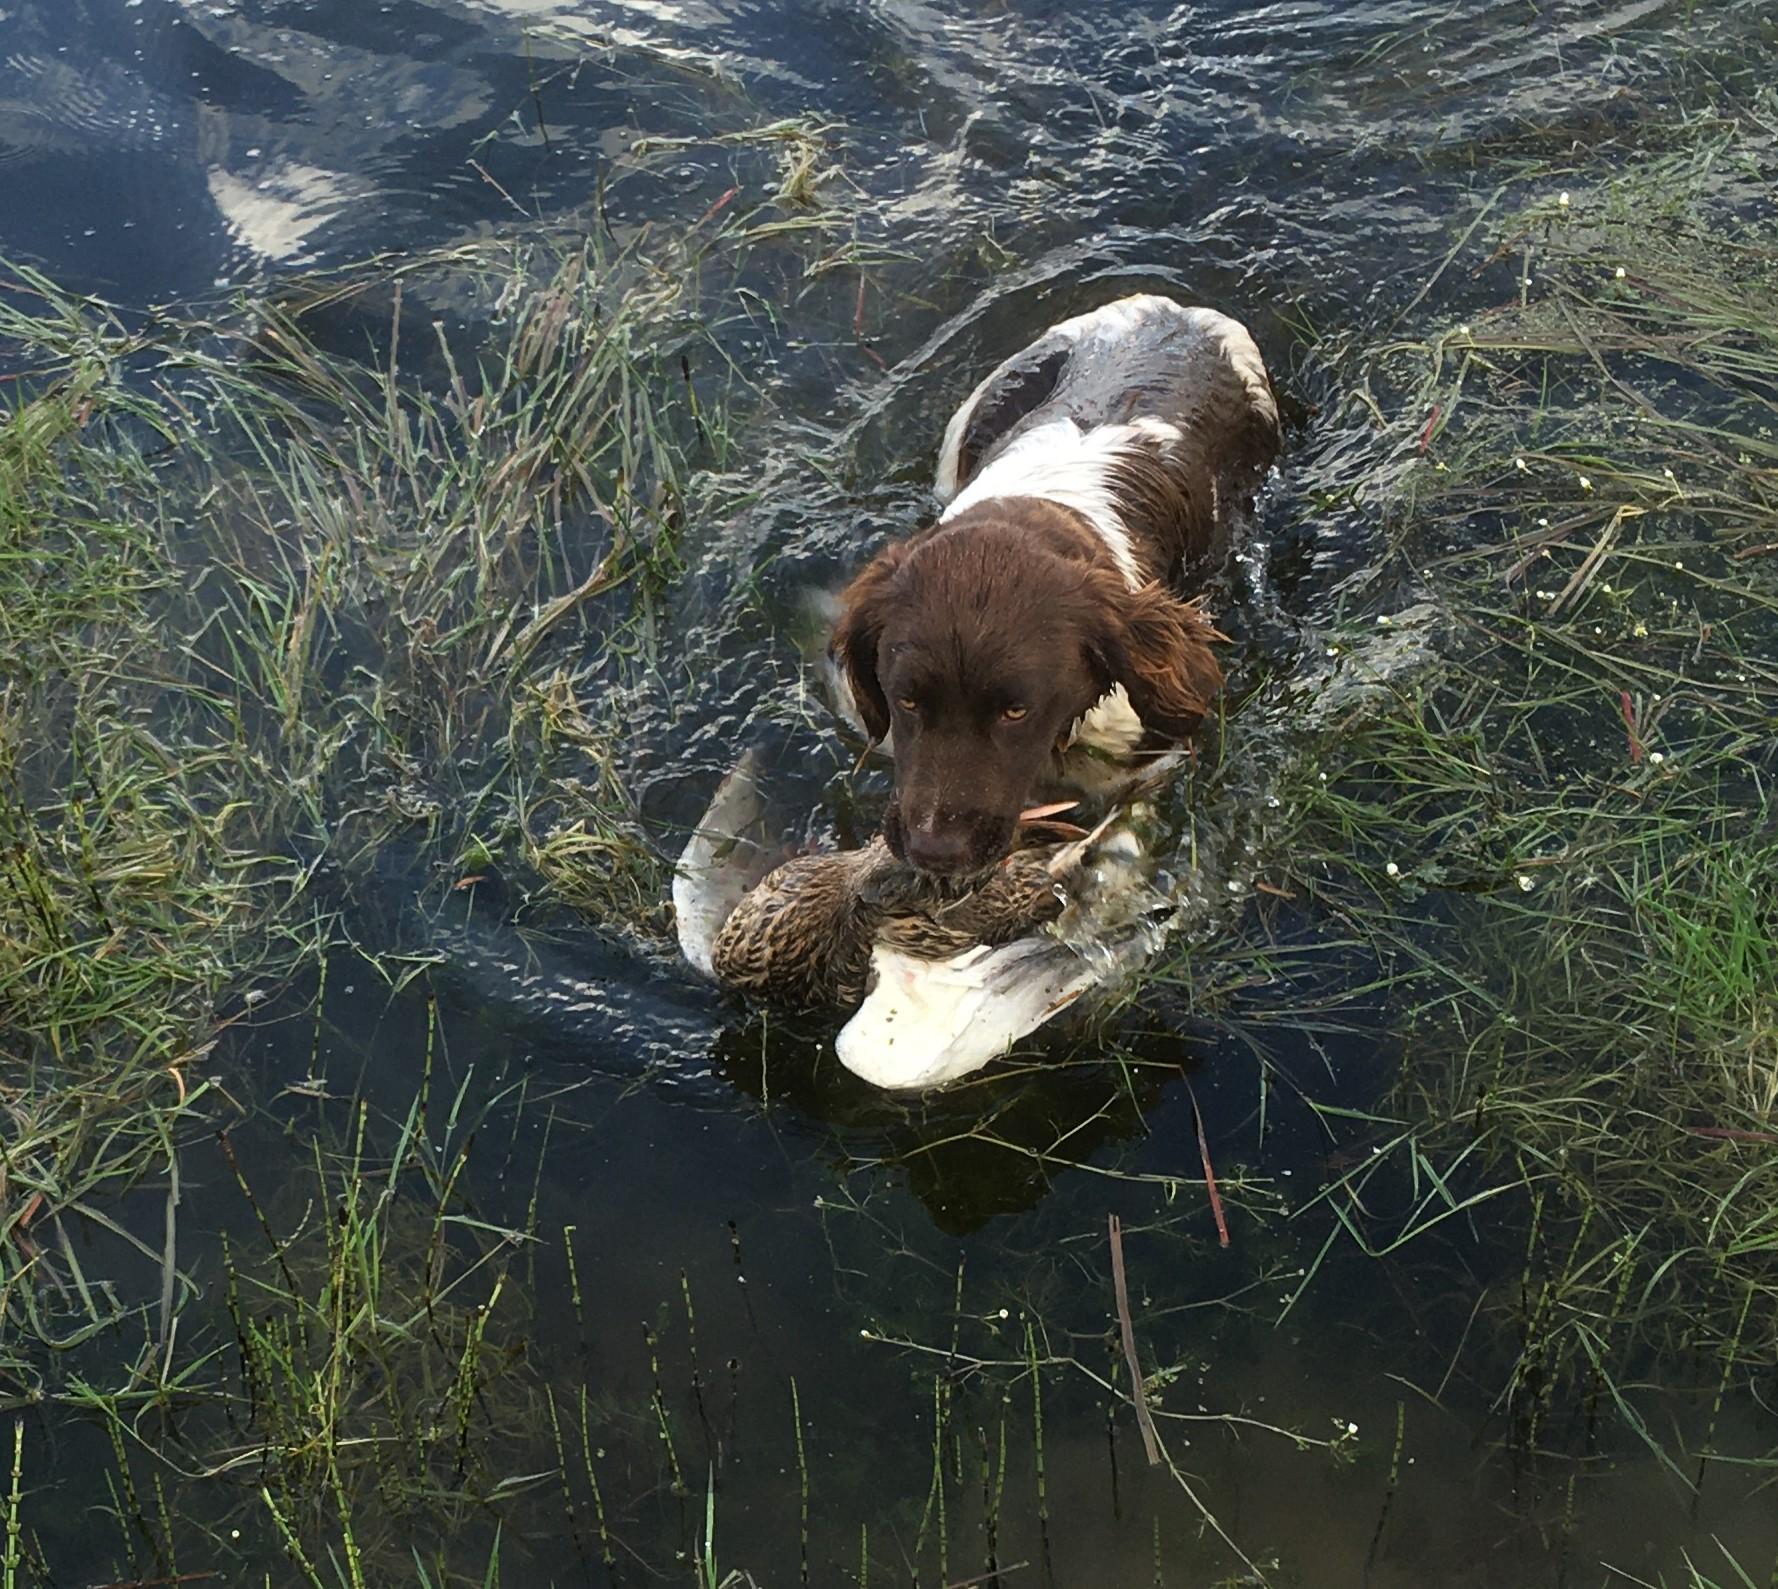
(804, 935)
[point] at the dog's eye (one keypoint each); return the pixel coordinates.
(1013, 713)
(907, 703)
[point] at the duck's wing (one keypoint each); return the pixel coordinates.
(926, 1023)
(729, 851)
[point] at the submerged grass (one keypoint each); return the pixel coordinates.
(1561, 841)
(274, 617)
(305, 609)
(277, 617)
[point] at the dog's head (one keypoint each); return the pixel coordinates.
(978, 646)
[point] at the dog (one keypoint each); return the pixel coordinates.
(1043, 628)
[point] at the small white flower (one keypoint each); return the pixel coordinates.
(1526, 882)
(1322, 776)
(1352, 1429)
(1562, 198)
(1234, 887)
(1004, 1314)
(1621, 273)
(1655, 758)
(1679, 565)
(1382, 620)
(1584, 483)
(1521, 466)
(865, 1335)
(1543, 524)
(1640, 631)
(1392, 869)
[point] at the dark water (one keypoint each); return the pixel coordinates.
(1301, 165)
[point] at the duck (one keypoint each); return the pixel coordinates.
(804, 935)
(939, 978)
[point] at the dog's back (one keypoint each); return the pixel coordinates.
(1146, 411)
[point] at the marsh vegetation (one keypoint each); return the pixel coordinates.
(379, 1205)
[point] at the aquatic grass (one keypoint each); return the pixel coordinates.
(324, 617)
(1558, 839)
(372, 1385)
(277, 620)
(135, 887)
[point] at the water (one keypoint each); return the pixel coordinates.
(1001, 165)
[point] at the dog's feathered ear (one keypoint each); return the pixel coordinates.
(863, 612)
(1159, 648)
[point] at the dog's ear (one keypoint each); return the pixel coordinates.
(863, 612)
(1159, 648)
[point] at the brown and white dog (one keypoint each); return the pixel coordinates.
(1043, 627)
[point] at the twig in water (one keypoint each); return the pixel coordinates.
(718, 207)
(1731, 1134)
(1222, 1225)
(1144, 1419)
(486, 176)
(1591, 563)
(986, 1577)
(1426, 434)
(158, 1583)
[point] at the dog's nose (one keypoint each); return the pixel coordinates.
(943, 850)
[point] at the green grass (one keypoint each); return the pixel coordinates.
(279, 620)
(1558, 841)
(272, 618)
(280, 623)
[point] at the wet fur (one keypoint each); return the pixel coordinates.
(1055, 576)
(1017, 589)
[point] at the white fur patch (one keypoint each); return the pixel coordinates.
(1242, 354)
(950, 451)
(1133, 329)
(1056, 460)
